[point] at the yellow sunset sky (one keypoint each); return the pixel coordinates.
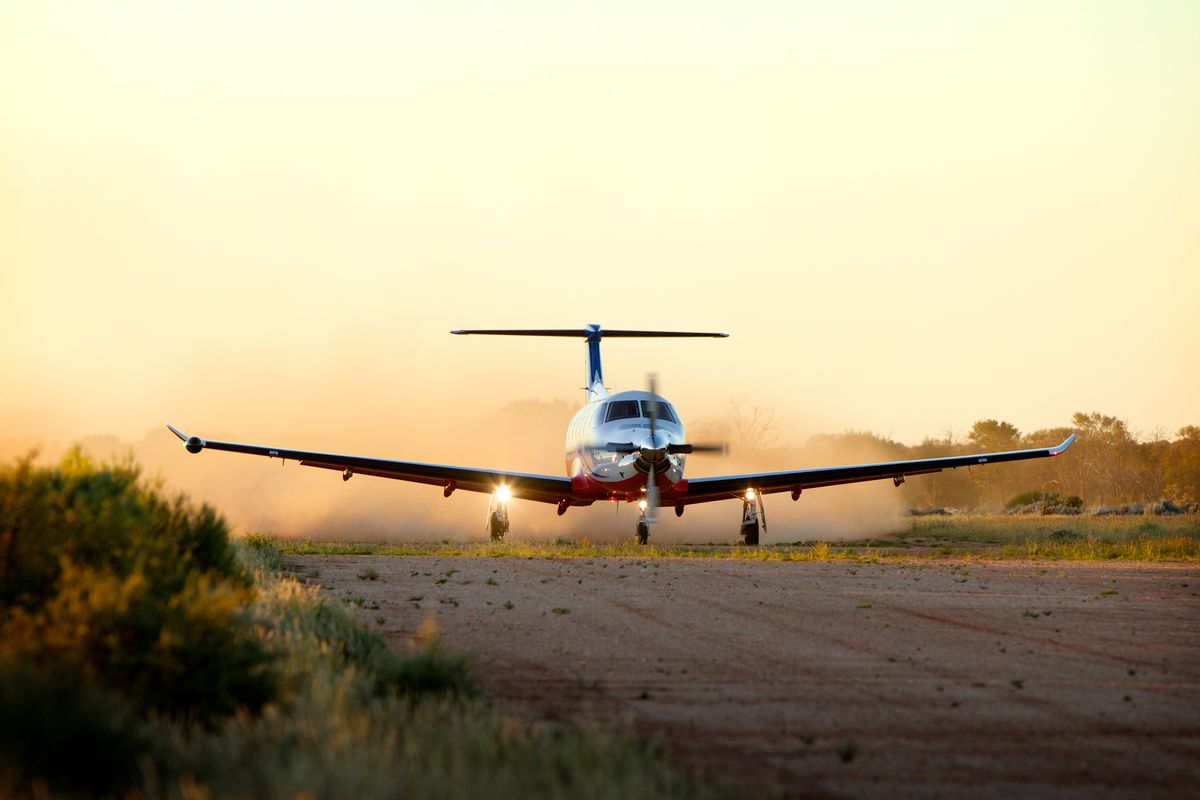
(262, 219)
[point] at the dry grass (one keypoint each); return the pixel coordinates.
(994, 536)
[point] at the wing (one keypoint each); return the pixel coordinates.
(542, 488)
(703, 490)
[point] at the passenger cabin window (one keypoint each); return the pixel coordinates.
(622, 409)
(662, 410)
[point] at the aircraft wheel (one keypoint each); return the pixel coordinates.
(643, 532)
(498, 525)
(750, 533)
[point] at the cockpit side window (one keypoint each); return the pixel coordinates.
(622, 409)
(662, 410)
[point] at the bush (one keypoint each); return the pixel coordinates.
(140, 657)
(60, 734)
(428, 671)
(131, 590)
(1036, 502)
(265, 551)
(1025, 499)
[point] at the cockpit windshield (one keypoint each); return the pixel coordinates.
(633, 409)
(662, 410)
(622, 409)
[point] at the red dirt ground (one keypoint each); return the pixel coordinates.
(835, 679)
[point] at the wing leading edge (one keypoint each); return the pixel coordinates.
(541, 488)
(703, 490)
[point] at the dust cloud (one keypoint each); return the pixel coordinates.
(288, 500)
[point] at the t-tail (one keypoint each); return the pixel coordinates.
(593, 334)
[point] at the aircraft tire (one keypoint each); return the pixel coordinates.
(750, 534)
(498, 526)
(643, 532)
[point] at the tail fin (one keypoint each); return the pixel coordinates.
(593, 334)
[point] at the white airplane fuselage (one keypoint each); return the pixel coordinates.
(601, 473)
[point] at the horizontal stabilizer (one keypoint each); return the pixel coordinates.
(593, 334)
(584, 333)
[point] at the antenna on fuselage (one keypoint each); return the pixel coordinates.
(594, 385)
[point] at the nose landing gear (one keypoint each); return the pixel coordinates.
(643, 526)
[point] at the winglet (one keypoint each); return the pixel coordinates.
(193, 444)
(1066, 443)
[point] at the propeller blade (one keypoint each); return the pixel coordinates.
(652, 406)
(688, 449)
(621, 447)
(651, 496)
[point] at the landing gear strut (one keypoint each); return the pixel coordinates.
(643, 527)
(754, 516)
(497, 522)
(749, 529)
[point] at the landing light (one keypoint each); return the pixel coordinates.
(749, 495)
(503, 494)
(642, 505)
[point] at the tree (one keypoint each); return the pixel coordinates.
(753, 426)
(993, 436)
(1108, 453)
(952, 488)
(1181, 466)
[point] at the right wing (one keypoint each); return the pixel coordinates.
(703, 490)
(542, 488)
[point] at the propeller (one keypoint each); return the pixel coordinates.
(651, 484)
(651, 453)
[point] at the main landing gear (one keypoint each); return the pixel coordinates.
(749, 528)
(497, 522)
(754, 516)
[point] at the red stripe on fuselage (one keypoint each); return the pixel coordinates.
(586, 487)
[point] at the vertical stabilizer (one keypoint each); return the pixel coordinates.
(593, 334)
(595, 372)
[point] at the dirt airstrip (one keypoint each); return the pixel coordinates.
(834, 679)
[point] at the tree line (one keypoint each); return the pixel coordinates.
(1107, 465)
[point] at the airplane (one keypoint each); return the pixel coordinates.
(625, 447)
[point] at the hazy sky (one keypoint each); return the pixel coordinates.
(263, 218)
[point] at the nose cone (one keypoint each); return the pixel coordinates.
(653, 448)
(657, 441)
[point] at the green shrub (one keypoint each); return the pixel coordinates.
(1024, 499)
(1046, 500)
(105, 518)
(64, 735)
(142, 654)
(132, 591)
(429, 670)
(265, 551)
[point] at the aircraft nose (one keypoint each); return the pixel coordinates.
(654, 447)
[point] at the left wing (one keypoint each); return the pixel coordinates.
(542, 488)
(703, 490)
